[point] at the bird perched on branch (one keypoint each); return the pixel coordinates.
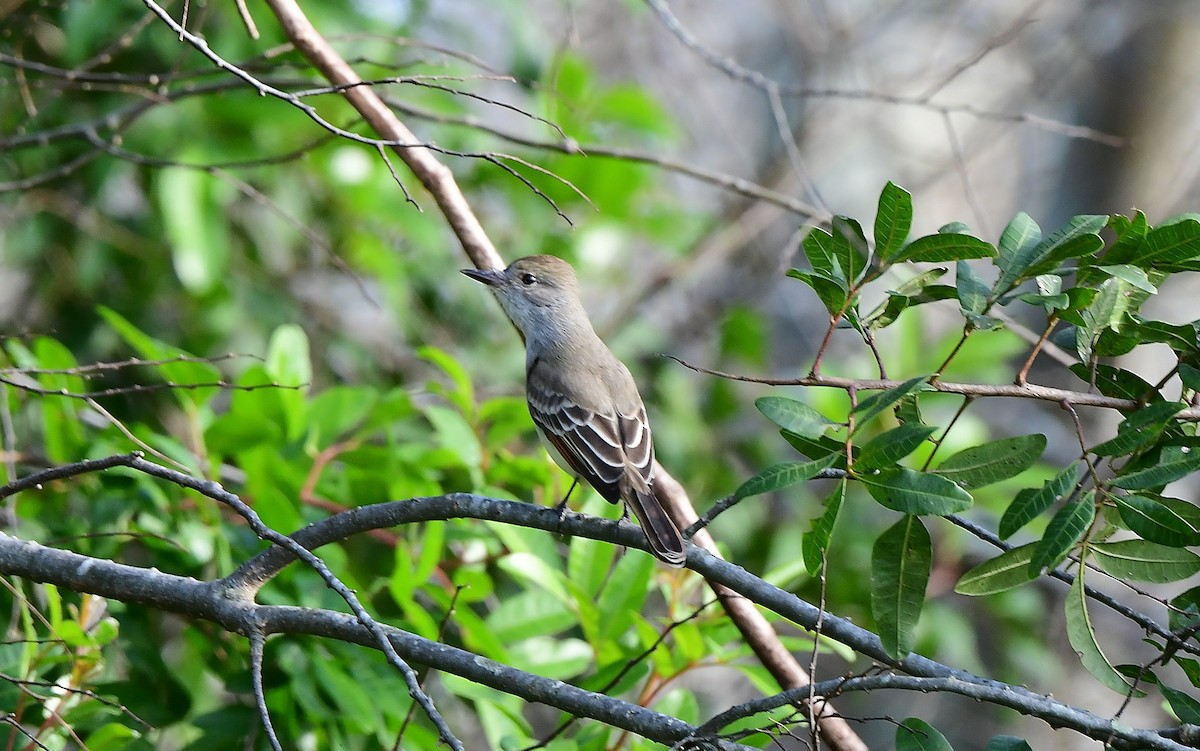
(582, 398)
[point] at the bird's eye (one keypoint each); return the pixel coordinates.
(528, 279)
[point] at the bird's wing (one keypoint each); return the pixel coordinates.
(597, 441)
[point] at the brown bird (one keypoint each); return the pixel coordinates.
(583, 400)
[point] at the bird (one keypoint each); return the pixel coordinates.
(583, 400)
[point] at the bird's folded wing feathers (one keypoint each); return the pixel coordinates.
(597, 446)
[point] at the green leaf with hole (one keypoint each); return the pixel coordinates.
(782, 476)
(893, 220)
(793, 415)
(1083, 639)
(1174, 463)
(887, 448)
(917, 735)
(991, 462)
(1139, 429)
(1064, 530)
(900, 565)
(911, 492)
(1031, 502)
(1145, 561)
(1167, 521)
(1006, 571)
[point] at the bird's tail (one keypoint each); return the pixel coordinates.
(661, 533)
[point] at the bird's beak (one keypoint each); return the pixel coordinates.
(490, 277)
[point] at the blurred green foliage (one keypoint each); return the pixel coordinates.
(364, 369)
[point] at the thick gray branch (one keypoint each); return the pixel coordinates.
(212, 601)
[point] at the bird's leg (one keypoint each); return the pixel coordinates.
(562, 505)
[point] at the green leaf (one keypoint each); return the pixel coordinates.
(1007, 743)
(793, 415)
(1185, 707)
(850, 247)
(783, 475)
(1132, 275)
(886, 449)
(625, 594)
(1108, 309)
(178, 372)
(988, 463)
(337, 410)
(197, 231)
(908, 411)
(972, 291)
(1021, 236)
(1181, 338)
(815, 541)
(1190, 667)
(1184, 610)
(1174, 463)
(1064, 530)
(900, 563)
(1073, 247)
(1169, 243)
(816, 448)
(1117, 383)
(288, 365)
(461, 394)
(916, 291)
(1004, 572)
(917, 735)
(1031, 502)
(819, 249)
(112, 736)
(1050, 293)
(1130, 235)
(527, 613)
(1083, 639)
(833, 294)
(886, 313)
(947, 247)
(1190, 377)
(1167, 521)
(1139, 429)
(871, 406)
(1144, 561)
(893, 220)
(911, 492)
(455, 434)
(1077, 238)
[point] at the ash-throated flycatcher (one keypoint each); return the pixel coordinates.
(581, 397)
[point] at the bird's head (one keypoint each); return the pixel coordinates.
(538, 293)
